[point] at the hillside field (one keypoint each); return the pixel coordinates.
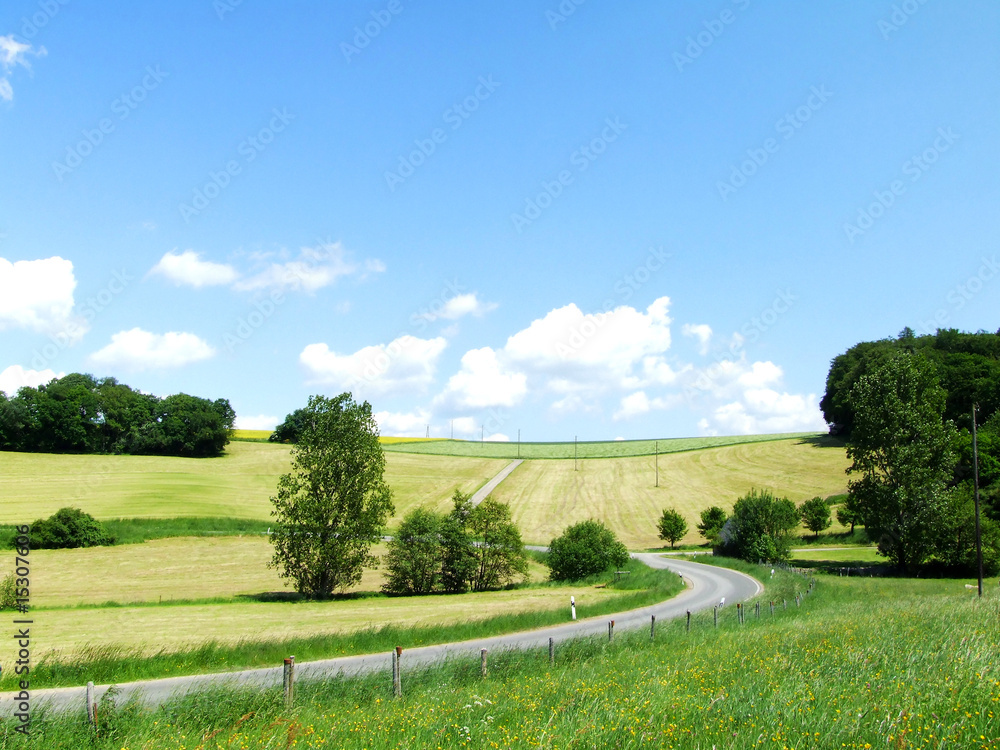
(546, 496)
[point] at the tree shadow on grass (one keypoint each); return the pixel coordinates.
(823, 441)
(294, 596)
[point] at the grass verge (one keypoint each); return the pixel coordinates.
(858, 665)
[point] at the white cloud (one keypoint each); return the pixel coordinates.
(483, 382)
(763, 410)
(38, 295)
(404, 365)
(259, 422)
(638, 403)
(497, 437)
(459, 306)
(15, 377)
(701, 332)
(138, 350)
(12, 54)
(314, 268)
(761, 374)
(403, 424)
(188, 268)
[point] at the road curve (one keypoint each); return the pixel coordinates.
(706, 585)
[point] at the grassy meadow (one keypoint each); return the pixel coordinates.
(852, 667)
(236, 485)
(546, 496)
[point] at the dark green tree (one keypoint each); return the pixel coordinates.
(331, 507)
(848, 513)
(584, 549)
(761, 528)
(672, 526)
(290, 429)
(815, 515)
(713, 519)
(413, 560)
(901, 448)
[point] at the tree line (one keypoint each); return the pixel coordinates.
(82, 414)
(904, 406)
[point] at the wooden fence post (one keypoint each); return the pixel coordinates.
(288, 678)
(611, 630)
(772, 608)
(552, 652)
(715, 615)
(688, 621)
(482, 659)
(397, 682)
(652, 628)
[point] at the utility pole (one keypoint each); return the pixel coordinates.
(975, 481)
(428, 431)
(656, 460)
(482, 433)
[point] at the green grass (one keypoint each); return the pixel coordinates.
(590, 449)
(107, 661)
(138, 530)
(859, 665)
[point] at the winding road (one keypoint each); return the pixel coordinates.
(706, 586)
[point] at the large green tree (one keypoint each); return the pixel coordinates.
(331, 507)
(815, 515)
(901, 448)
(713, 518)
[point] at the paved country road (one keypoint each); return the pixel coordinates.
(706, 586)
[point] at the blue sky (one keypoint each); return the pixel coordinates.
(569, 219)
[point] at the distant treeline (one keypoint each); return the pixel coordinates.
(81, 414)
(967, 365)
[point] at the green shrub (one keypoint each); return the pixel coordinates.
(584, 549)
(69, 528)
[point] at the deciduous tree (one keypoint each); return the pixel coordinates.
(331, 507)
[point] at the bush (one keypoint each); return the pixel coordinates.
(584, 549)
(69, 528)
(760, 528)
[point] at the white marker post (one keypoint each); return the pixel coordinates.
(572, 606)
